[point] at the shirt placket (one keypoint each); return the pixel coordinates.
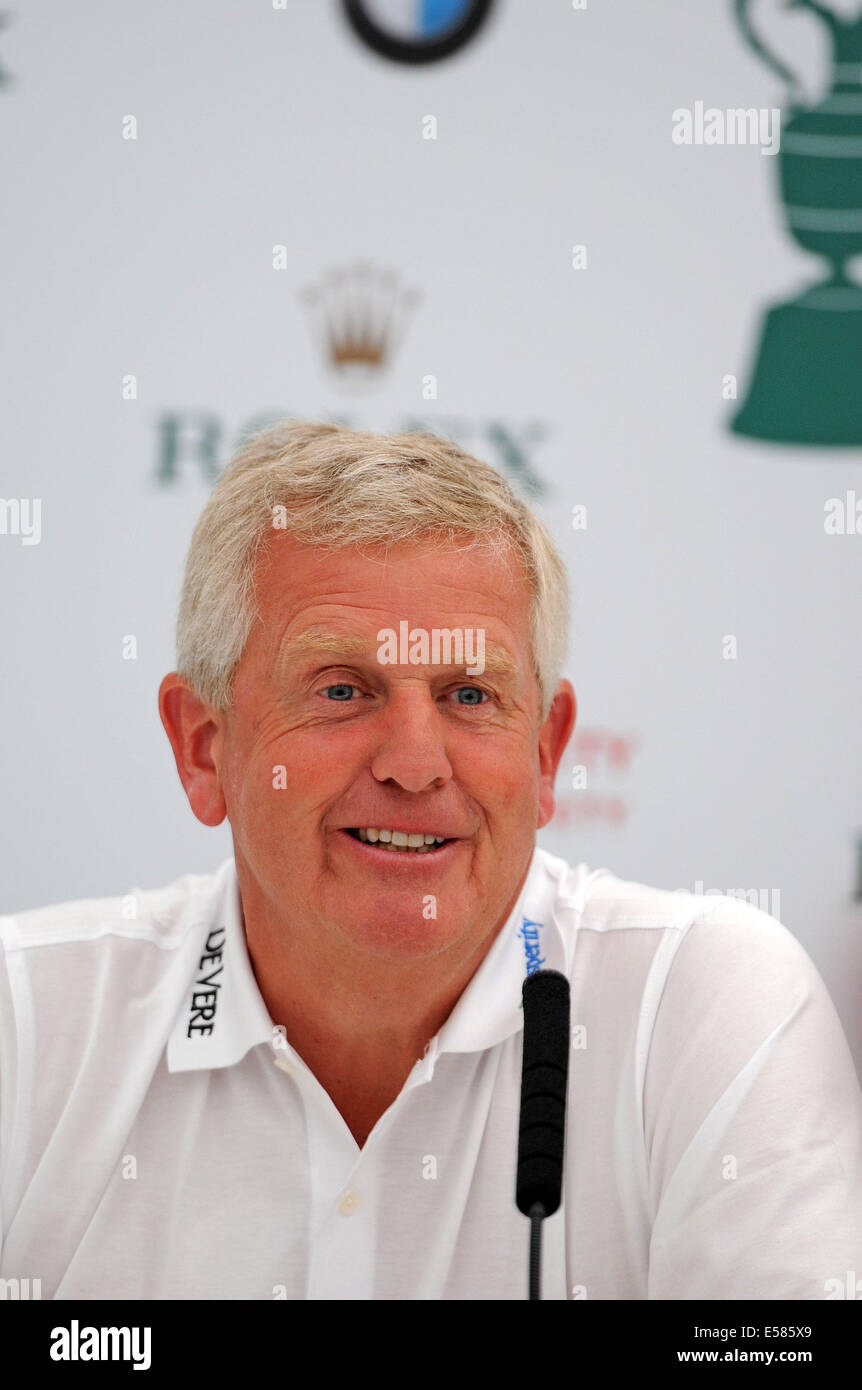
(344, 1183)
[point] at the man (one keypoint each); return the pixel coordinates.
(298, 1077)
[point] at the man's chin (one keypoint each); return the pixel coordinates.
(407, 932)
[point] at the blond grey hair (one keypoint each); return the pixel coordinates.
(333, 487)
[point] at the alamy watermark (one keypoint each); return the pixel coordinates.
(710, 125)
(847, 1287)
(437, 646)
(767, 899)
(21, 516)
(77, 1343)
(20, 1290)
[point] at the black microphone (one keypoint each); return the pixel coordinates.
(542, 1131)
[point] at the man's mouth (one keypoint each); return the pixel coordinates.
(399, 841)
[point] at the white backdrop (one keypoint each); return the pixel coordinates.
(153, 258)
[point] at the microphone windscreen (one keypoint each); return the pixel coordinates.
(544, 1079)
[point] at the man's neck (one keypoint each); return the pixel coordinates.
(359, 1024)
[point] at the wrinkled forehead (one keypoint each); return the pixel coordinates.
(307, 595)
(488, 574)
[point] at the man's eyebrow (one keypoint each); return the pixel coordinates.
(318, 639)
(497, 660)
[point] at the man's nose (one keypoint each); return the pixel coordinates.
(412, 750)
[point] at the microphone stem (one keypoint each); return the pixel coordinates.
(537, 1215)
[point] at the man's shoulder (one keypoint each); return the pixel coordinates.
(606, 902)
(90, 990)
(161, 917)
(715, 938)
(717, 967)
(98, 982)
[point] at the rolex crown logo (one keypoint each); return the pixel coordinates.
(359, 315)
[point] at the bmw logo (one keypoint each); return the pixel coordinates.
(416, 31)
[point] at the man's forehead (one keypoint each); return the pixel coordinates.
(479, 572)
(294, 575)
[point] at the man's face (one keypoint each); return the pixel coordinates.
(324, 740)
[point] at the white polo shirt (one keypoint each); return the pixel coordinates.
(160, 1139)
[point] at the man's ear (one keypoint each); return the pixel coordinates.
(553, 737)
(191, 725)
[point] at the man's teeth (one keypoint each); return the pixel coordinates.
(399, 840)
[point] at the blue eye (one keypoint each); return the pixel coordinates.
(343, 688)
(477, 696)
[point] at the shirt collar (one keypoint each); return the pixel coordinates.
(223, 1013)
(534, 937)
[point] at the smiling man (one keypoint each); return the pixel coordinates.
(383, 815)
(298, 1077)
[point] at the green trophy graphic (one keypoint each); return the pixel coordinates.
(807, 382)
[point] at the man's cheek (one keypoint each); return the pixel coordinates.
(511, 779)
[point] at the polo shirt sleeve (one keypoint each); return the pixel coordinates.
(752, 1117)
